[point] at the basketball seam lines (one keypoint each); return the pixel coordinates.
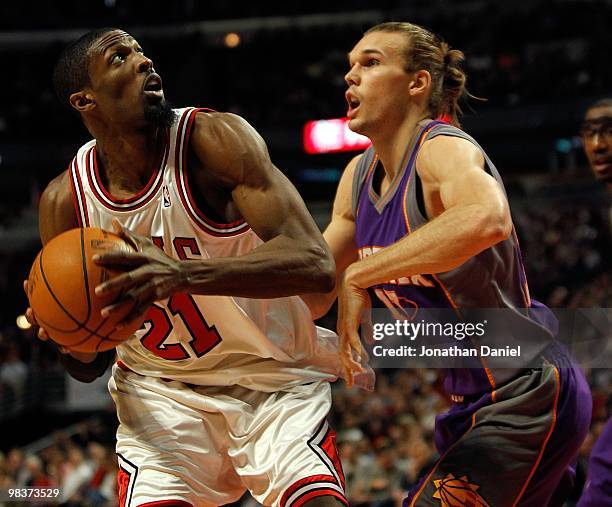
(80, 325)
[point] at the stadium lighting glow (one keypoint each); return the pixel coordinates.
(232, 40)
(22, 322)
(332, 136)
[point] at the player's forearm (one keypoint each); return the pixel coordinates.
(277, 268)
(440, 245)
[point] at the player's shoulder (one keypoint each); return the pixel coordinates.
(56, 208)
(224, 127)
(58, 191)
(448, 140)
(228, 148)
(447, 149)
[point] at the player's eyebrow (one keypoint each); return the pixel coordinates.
(367, 51)
(111, 40)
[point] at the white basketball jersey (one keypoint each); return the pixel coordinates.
(262, 344)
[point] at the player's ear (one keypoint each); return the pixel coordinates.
(420, 82)
(82, 101)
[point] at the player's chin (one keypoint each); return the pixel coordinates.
(158, 113)
(356, 125)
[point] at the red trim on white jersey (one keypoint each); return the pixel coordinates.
(131, 203)
(180, 161)
(317, 492)
(323, 443)
(78, 195)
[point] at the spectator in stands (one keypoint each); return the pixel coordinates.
(78, 473)
(380, 479)
(14, 467)
(37, 477)
(14, 373)
(101, 489)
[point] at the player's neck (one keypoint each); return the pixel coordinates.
(391, 148)
(128, 160)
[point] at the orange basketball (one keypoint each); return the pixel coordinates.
(61, 289)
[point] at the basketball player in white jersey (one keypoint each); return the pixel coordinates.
(226, 387)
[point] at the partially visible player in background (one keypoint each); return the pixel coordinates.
(421, 220)
(596, 133)
(227, 386)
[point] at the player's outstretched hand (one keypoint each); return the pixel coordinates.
(149, 275)
(353, 311)
(84, 357)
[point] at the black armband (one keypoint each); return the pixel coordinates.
(88, 372)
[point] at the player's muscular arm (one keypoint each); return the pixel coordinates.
(56, 215)
(294, 258)
(473, 215)
(340, 236)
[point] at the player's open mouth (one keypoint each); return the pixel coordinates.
(153, 86)
(353, 104)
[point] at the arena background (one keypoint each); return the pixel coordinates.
(538, 64)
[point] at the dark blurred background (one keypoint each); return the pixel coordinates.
(538, 64)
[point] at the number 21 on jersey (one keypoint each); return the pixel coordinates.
(203, 337)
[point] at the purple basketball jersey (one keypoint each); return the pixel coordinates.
(495, 278)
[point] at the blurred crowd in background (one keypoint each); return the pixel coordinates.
(538, 64)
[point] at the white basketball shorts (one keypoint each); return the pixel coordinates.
(189, 445)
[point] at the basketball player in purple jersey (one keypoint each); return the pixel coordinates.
(596, 133)
(421, 220)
